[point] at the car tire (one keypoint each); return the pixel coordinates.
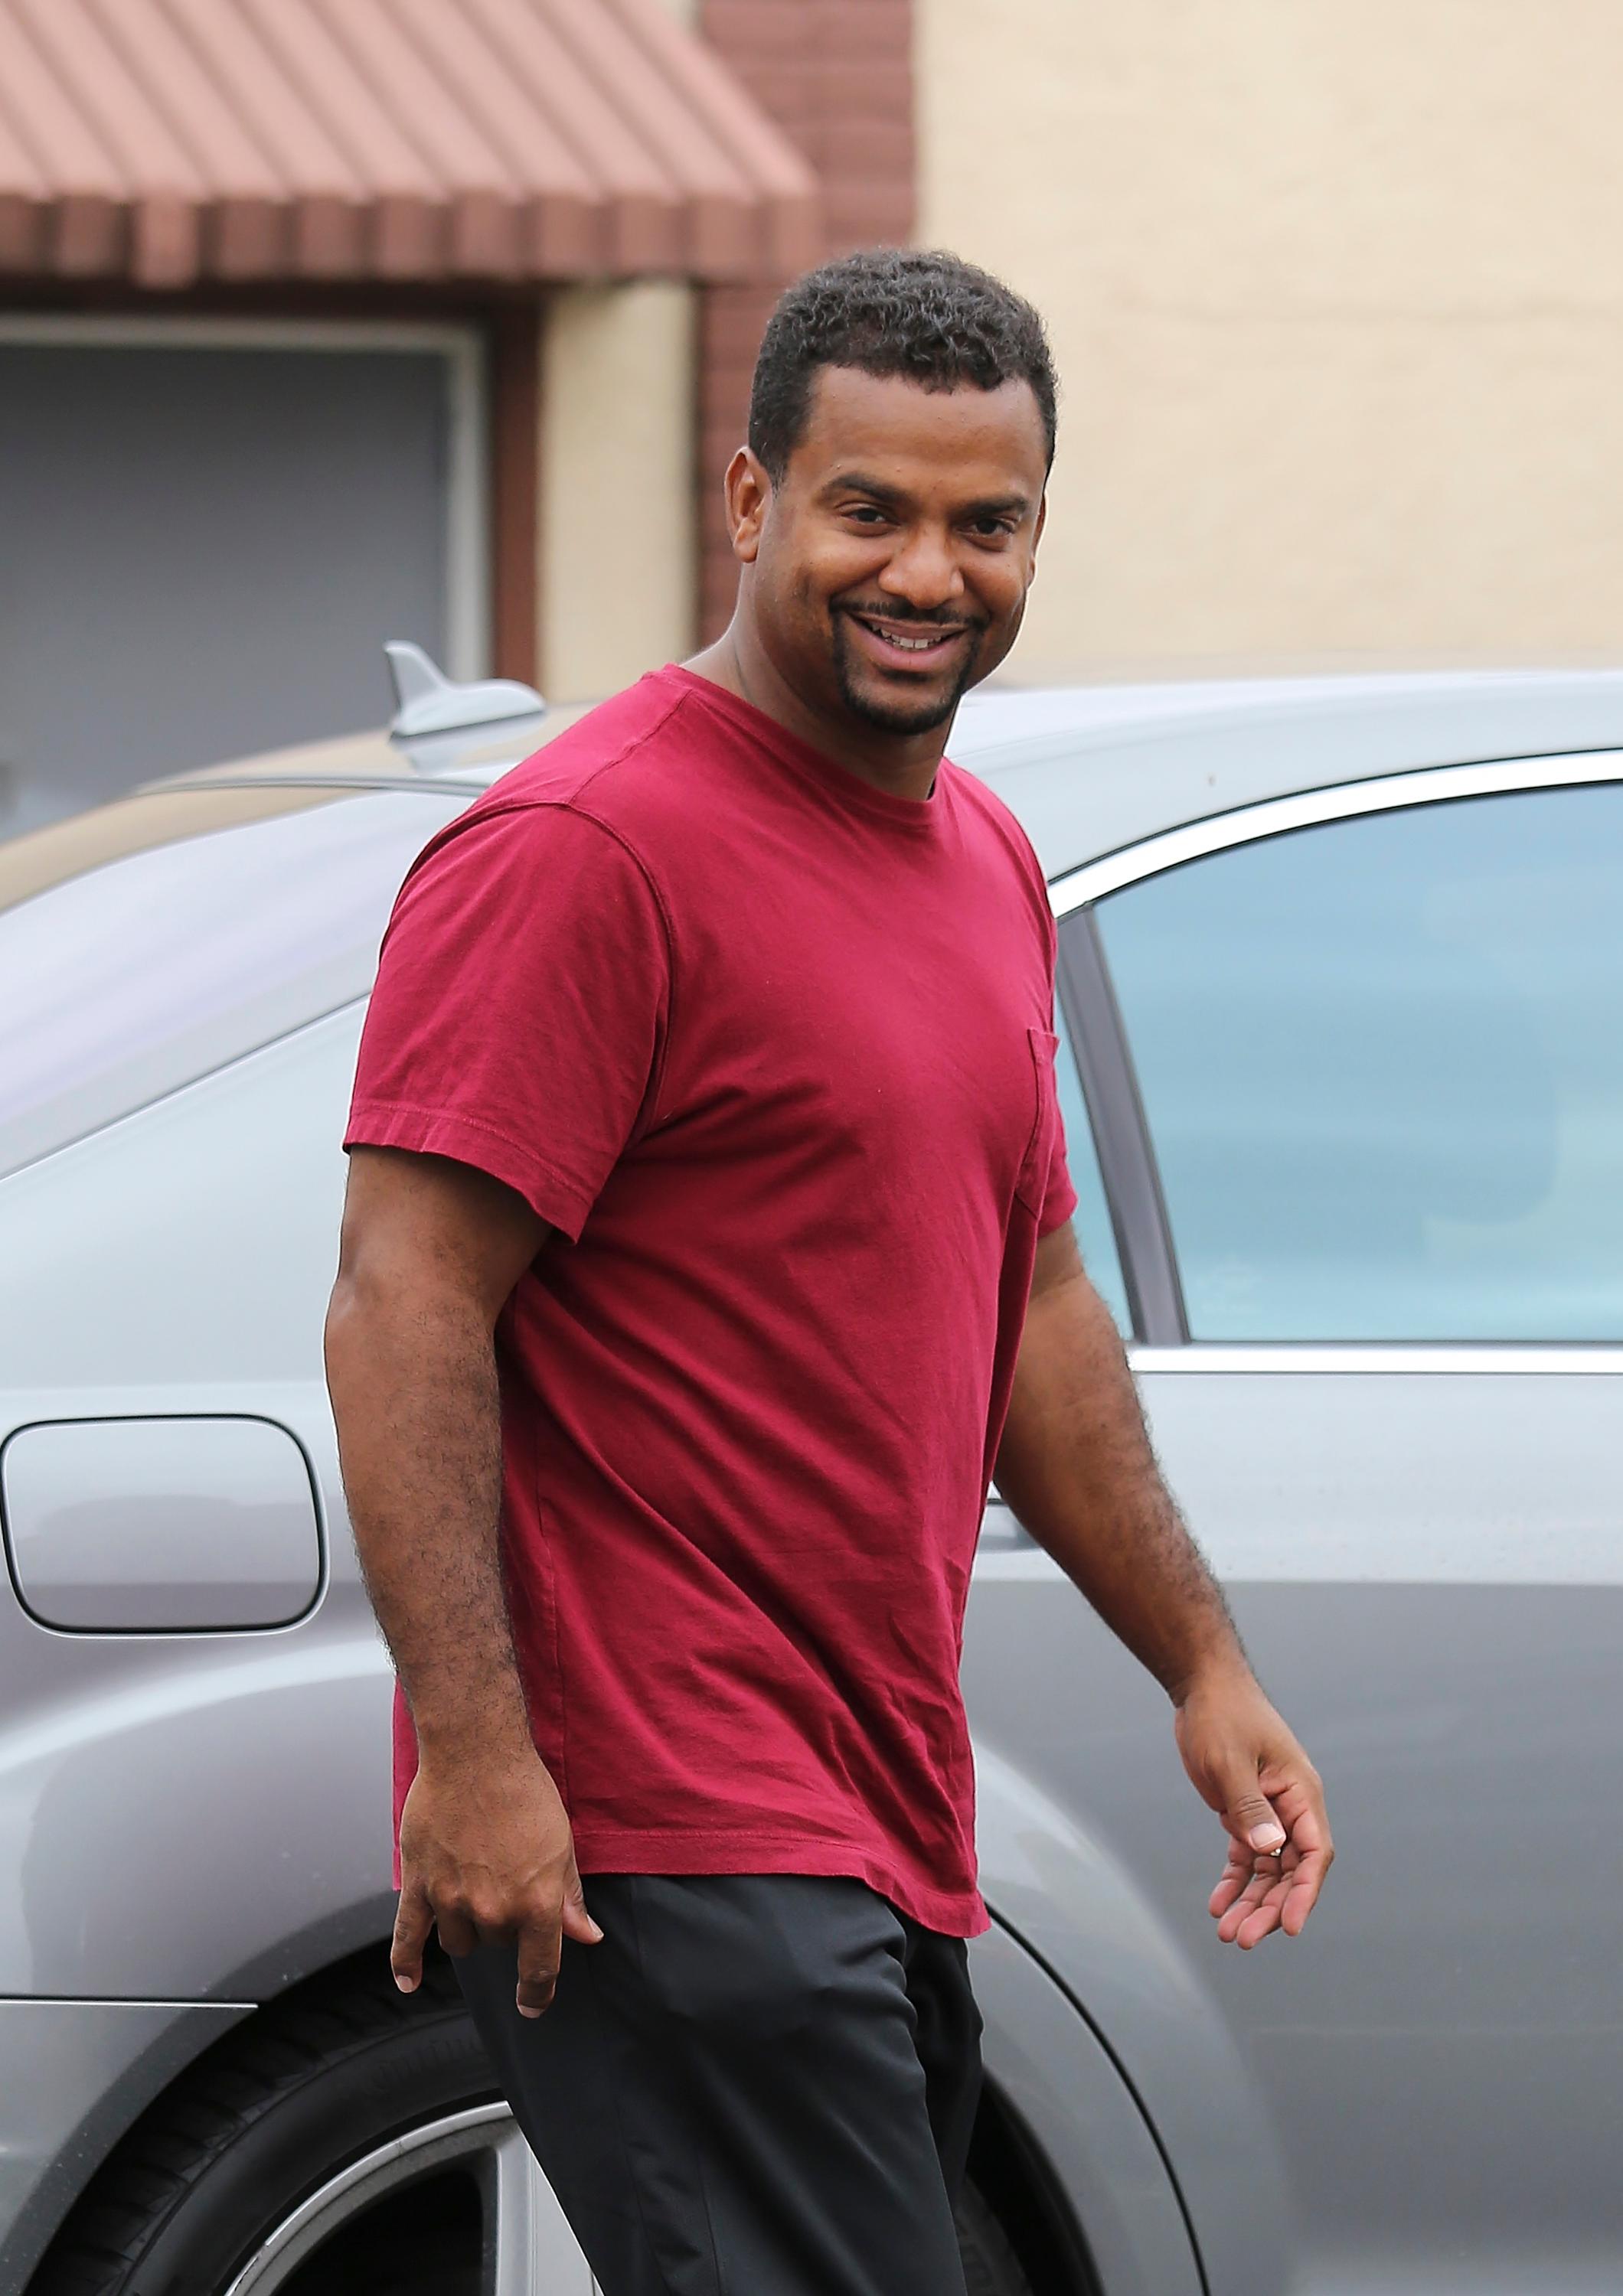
(991, 2266)
(226, 2164)
(261, 2122)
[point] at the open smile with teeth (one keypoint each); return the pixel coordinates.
(919, 645)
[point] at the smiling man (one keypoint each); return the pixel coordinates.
(707, 1249)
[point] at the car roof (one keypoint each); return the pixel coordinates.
(1090, 768)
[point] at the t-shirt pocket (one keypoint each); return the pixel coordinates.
(1032, 1186)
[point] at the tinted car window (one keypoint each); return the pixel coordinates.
(1095, 1236)
(1382, 1065)
(143, 944)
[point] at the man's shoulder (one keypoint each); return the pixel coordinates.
(997, 829)
(607, 763)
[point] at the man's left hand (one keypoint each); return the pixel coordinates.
(1248, 1766)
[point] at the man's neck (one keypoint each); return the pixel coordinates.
(901, 765)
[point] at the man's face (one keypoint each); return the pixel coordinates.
(889, 566)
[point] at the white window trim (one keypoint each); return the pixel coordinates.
(1513, 1358)
(1249, 824)
(467, 532)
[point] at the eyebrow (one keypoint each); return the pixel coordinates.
(989, 506)
(999, 507)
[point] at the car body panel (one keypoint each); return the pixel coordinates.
(179, 1262)
(266, 1855)
(1092, 770)
(287, 889)
(1421, 1546)
(1431, 2072)
(1428, 1570)
(1417, 2093)
(1051, 2069)
(91, 2067)
(169, 1523)
(1073, 1898)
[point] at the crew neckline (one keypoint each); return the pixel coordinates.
(922, 816)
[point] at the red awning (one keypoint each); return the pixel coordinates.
(169, 141)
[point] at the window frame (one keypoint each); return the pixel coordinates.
(1122, 1146)
(1109, 1084)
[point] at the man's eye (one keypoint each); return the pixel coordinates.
(993, 528)
(869, 513)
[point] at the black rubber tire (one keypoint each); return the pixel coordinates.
(991, 2266)
(273, 2111)
(261, 2120)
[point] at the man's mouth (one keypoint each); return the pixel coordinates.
(920, 646)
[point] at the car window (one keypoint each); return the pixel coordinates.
(1381, 1062)
(1095, 1235)
(146, 942)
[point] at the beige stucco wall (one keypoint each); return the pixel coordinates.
(1338, 299)
(617, 543)
(618, 540)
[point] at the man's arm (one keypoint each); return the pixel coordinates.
(1076, 1466)
(430, 1250)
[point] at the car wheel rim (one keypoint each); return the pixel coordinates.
(529, 2249)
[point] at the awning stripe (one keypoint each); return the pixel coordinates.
(175, 139)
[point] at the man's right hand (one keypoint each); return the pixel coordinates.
(487, 1858)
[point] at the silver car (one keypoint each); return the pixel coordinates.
(1342, 990)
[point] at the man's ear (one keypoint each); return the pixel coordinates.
(749, 491)
(1036, 535)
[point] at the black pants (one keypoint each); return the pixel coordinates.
(757, 2085)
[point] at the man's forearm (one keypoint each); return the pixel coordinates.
(1076, 1466)
(417, 1405)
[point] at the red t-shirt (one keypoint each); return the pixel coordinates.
(771, 1051)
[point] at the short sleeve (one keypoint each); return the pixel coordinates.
(1059, 1197)
(518, 1020)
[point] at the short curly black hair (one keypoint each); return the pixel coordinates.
(894, 310)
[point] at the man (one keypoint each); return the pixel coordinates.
(708, 1248)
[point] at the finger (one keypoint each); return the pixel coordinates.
(1255, 1916)
(1250, 1899)
(413, 1920)
(1280, 1851)
(1312, 1864)
(1301, 1804)
(1294, 1823)
(458, 1931)
(1251, 1818)
(1232, 1879)
(1298, 1796)
(578, 1923)
(1256, 1926)
(1301, 1899)
(1258, 1914)
(1262, 1875)
(539, 1950)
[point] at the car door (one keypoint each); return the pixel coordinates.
(180, 1603)
(1354, 1067)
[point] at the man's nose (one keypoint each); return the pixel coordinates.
(923, 569)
